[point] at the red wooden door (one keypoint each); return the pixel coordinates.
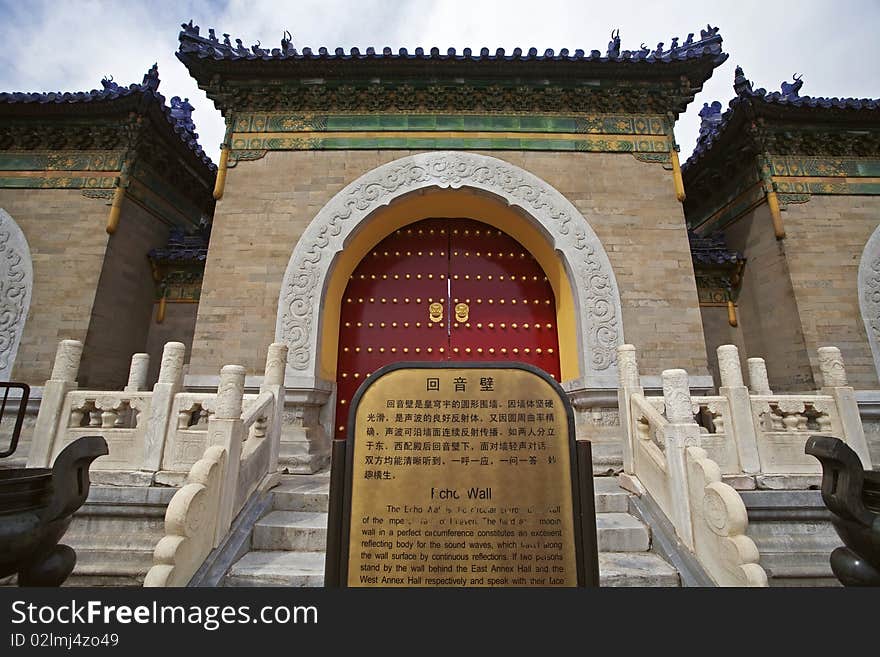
(444, 289)
(508, 311)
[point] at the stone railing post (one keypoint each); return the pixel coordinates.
(759, 384)
(137, 373)
(629, 384)
(681, 432)
(273, 381)
(834, 383)
(162, 399)
(226, 429)
(742, 426)
(61, 381)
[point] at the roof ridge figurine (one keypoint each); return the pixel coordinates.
(741, 84)
(151, 78)
(109, 84)
(790, 90)
(287, 44)
(614, 44)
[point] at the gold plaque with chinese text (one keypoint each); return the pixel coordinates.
(461, 475)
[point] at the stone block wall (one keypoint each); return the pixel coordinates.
(268, 203)
(178, 326)
(824, 241)
(767, 307)
(718, 331)
(120, 317)
(66, 236)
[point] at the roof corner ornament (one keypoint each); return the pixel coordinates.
(790, 90)
(689, 40)
(614, 44)
(708, 33)
(212, 37)
(189, 29)
(151, 78)
(741, 85)
(287, 44)
(710, 117)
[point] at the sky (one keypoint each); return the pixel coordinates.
(70, 45)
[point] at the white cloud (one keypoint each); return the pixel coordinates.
(70, 46)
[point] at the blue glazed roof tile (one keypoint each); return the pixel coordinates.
(712, 250)
(178, 115)
(211, 47)
(182, 248)
(714, 122)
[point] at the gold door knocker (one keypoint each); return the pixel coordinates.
(461, 313)
(435, 312)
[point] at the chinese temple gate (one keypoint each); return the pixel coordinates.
(444, 290)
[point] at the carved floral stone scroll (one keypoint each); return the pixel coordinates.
(16, 283)
(869, 294)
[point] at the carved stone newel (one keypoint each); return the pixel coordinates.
(67, 359)
(831, 367)
(230, 392)
(137, 374)
(677, 397)
(758, 381)
(627, 366)
(172, 362)
(276, 362)
(729, 366)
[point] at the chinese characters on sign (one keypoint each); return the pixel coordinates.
(461, 477)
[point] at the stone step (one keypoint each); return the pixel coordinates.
(95, 567)
(307, 531)
(277, 568)
(610, 497)
(621, 532)
(799, 568)
(635, 569)
(282, 568)
(302, 493)
(312, 493)
(291, 530)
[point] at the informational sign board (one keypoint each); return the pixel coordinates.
(461, 475)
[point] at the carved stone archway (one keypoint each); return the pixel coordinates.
(16, 283)
(598, 316)
(869, 294)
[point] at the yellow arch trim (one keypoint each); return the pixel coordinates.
(449, 204)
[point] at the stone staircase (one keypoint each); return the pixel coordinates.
(288, 543)
(114, 534)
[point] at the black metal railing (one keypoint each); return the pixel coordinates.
(5, 388)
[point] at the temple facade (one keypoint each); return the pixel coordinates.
(89, 184)
(385, 206)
